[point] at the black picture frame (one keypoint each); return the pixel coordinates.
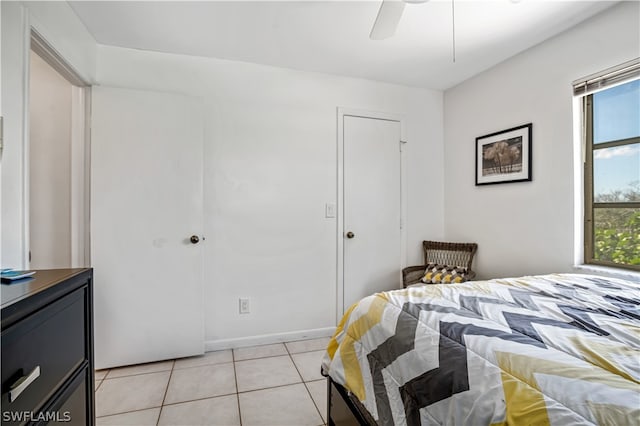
(504, 156)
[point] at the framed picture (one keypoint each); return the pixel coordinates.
(504, 156)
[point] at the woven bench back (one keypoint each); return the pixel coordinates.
(452, 254)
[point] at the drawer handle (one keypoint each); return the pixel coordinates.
(23, 383)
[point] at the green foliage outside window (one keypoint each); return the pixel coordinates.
(617, 230)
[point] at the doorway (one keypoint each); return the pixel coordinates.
(57, 205)
(371, 234)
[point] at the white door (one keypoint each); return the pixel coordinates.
(372, 207)
(146, 189)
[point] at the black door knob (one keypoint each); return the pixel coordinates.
(194, 239)
(350, 234)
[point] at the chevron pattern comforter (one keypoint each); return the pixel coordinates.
(559, 349)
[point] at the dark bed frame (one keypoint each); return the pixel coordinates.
(344, 409)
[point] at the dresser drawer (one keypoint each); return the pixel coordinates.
(70, 407)
(53, 340)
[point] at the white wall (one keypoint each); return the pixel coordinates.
(528, 227)
(50, 166)
(270, 149)
(59, 25)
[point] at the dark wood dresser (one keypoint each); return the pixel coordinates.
(47, 349)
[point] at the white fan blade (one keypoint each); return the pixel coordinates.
(387, 21)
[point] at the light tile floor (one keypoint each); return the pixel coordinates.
(271, 385)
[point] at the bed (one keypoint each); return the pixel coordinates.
(557, 349)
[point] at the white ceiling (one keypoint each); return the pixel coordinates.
(333, 36)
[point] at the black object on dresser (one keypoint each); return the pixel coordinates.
(47, 349)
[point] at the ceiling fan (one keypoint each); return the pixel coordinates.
(388, 18)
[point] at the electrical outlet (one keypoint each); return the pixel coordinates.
(244, 306)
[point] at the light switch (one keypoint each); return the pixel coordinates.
(330, 210)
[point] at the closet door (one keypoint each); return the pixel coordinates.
(146, 222)
(371, 207)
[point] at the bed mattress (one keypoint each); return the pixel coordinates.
(556, 349)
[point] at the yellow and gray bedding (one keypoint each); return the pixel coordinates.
(558, 349)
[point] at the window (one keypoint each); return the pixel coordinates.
(612, 174)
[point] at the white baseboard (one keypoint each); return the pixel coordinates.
(267, 339)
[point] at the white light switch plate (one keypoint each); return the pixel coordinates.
(330, 210)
